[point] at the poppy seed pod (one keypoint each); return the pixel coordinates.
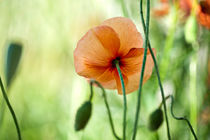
(12, 60)
(155, 119)
(83, 116)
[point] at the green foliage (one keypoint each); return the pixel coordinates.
(47, 92)
(191, 29)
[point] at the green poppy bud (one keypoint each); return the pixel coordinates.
(191, 29)
(155, 119)
(12, 60)
(83, 116)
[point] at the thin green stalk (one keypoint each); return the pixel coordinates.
(166, 98)
(124, 98)
(165, 59)
(91, 91)
(182, 118)
(2, 111)
(107, 107)
(157, 72)
(192, 86)
(10, 109)
(142, 70)
(179, 118)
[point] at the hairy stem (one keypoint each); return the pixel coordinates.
(91, 91)
(124, 99)
(142, 70)
(157, 72)
(107, 107)
(182, 118)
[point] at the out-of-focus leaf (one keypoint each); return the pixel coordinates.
(12, 60)
(191, 29)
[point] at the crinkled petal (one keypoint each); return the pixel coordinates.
(133, 70)
(131, 63)
(108, 38)
(127, 32)
(95, 50)
(106, 76)
(109, 84)
(118, 82)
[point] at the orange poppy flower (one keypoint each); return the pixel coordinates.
(163, 9)
(116, 38)
(186, 6)
(204, 13)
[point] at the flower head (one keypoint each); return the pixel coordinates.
(204, 13)
(186, 6)
(115, 39)
(163, 10)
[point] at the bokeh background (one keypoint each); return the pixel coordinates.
(47, 92)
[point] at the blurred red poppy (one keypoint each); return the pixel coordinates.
(185, 6)
(163, 9)
(204, 13)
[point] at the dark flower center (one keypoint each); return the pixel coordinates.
(205, 8)
(114, 61)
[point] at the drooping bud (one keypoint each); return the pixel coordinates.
(12, 60)
(155, 119)
(83, 116)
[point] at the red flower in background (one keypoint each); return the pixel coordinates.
(204, 13)
(185, 6)
(162, 10)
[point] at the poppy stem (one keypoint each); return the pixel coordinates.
(107, 106)
(10, 109)
(142, 69)
(91, 91)
(124, 98)
(166, 98)
(156, 68)
(182, 118)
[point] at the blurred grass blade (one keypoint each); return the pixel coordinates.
(83, 116)
(191, 29)
(12, 60)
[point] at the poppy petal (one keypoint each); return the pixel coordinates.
(106, 76)
(127, 32)
(108, 38)
(186, 6)
(164, 10)
(92, 56)
(132, 68)
(109, 84)
(133, 61)
(204, 13)
(118, 82)
(107, 79)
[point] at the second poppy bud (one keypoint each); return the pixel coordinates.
(155, 119)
